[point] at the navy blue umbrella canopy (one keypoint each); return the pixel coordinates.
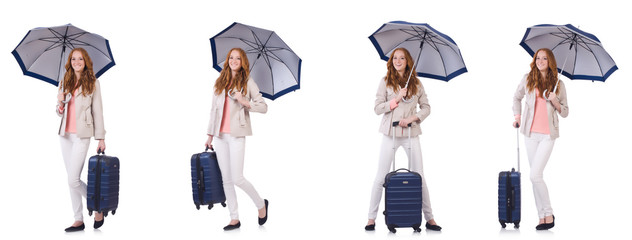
(273, 65)
(438, 56)
(43, 52)
(581, 54)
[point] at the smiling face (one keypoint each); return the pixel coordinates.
(77, 62)
(234, 61)
(399, 61)
(542, 61)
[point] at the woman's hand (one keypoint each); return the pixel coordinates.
(556, 103)
(402, 94)
(404, 122)
(60, 98)
(209, 142)
(240, 98)
(101, 145)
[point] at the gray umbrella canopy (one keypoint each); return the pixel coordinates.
(437, 55)
(581, 54)
(43, 52)
(273, 65)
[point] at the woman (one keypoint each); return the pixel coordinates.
(397, 103)
(236, 94)
(82, 118)
(540, 124)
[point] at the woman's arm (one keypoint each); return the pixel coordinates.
(382, 105)
(97, 113)
(559, 101)
(256, 103)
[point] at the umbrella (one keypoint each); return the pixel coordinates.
(43, 52)
(584, 56)
(273, 65)
(438, 56)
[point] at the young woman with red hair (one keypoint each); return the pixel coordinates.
(397, 103)
(235, 95)
(79, 104)
(539, 124)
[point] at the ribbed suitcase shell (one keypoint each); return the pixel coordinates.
(103, 184)
(403, 200)
(208, 188)
(509, 198)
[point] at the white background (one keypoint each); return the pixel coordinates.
(314, 154)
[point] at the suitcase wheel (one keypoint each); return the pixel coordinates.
(392, 228)
(105, 214)
(210, 206)
(223, 204)
(90, 213)
(502, 223)
(517, 225)
(197, 206)
(417, 229)
(113, 211)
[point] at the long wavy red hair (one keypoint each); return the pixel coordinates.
(535, 79)
(397, 82)
(225, 81)
(87, 78)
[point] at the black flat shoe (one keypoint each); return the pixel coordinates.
(546, 226)
(369, 227)
(75, 229)
(98, 224)
(231, 227)
(264, 219)
(433, 227)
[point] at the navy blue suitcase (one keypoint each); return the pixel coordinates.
(402, 198)
(509, 192)
(103, 184)
(509, 198)
(206, 180)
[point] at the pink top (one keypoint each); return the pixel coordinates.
(540, 116)
(225, 125)
(71, 119)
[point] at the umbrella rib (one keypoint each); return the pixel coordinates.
(432, 39)
(601, 70)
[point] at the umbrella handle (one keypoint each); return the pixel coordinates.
(231, 93)
(554, 89)
(67, 99)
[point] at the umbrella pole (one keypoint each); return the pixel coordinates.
(562, 69)
(421, 48)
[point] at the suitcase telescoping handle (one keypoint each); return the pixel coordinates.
(410, 152)
(517, 126)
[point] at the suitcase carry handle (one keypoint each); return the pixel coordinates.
(396, 123)
(410, 143)
(206, 150)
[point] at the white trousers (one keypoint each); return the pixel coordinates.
(387, 155)
(74, 151)
(539, 148)
(230, 157)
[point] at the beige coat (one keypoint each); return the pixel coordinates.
(529, 108)
(88, 113)
(239, 115)
(382, 106)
